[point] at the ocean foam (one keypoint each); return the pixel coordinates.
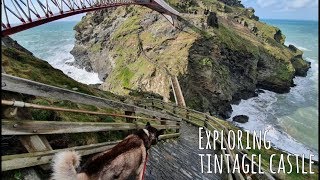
(259, 109)
(263, 112)
(299, 47)
(61, 55)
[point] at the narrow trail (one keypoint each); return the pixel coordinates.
(179, 158)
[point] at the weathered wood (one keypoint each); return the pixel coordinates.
(19, 161)
(130, 119)
(56, 127)
(24, 86)
(167, 126)
(177, 92)
(36, 143)
(169, 136)
(36, 106)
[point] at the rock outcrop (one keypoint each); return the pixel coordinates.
(220, 54)
(241, 118)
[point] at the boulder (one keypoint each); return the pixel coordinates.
(241, 118)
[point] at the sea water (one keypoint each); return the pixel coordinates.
(53, 42)
(291, 119)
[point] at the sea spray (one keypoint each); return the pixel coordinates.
(53, 42)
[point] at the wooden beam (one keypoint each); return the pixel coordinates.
(56, 127)
(24, 86)
(36, 143)
(19, 161)
(10, 127)
(169, 136)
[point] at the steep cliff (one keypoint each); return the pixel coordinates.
(219, 50)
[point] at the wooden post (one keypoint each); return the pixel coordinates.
(130, 120)
(163, 121)
(33, 143)
(177, 92)
(178, 130)
(152, 104)
(206, 121)
(174, 109)
(187, 114)
(36, 143)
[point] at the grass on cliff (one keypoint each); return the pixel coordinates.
(21, 64)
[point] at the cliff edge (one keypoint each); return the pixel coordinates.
(219, 50)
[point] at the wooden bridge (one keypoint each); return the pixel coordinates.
(164, 115)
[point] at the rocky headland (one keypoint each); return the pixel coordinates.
(219, 50)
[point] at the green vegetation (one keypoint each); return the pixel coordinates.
(125, 76)
(131, 25)
(96, 47)
(234, 41)
(26, 66)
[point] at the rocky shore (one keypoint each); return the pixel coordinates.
(219, 50)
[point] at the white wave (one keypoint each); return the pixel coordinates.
(61, 55)
(259, 109)
(314, 70)
(297, 46)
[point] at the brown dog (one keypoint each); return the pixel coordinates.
(124, 161)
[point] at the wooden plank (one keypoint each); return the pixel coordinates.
(56, 127)
(169, 136)
(177, 91)
(19, 161)
(24, 86)
(10, 127)
(36, 143)
(167, 126)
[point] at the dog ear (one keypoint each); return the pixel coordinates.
(148, 125)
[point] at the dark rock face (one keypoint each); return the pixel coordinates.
(232, 3)
(278, 37)
(300, 66)
(212, 20)
(9, 42)
(241, 119)
(217, 78)
(292, 48)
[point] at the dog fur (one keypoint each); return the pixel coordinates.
(124, 161)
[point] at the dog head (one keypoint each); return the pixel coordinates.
(153, 133)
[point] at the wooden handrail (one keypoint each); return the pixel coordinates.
(10, 127)
(18, 161)
(36, 106)
(25, 86)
